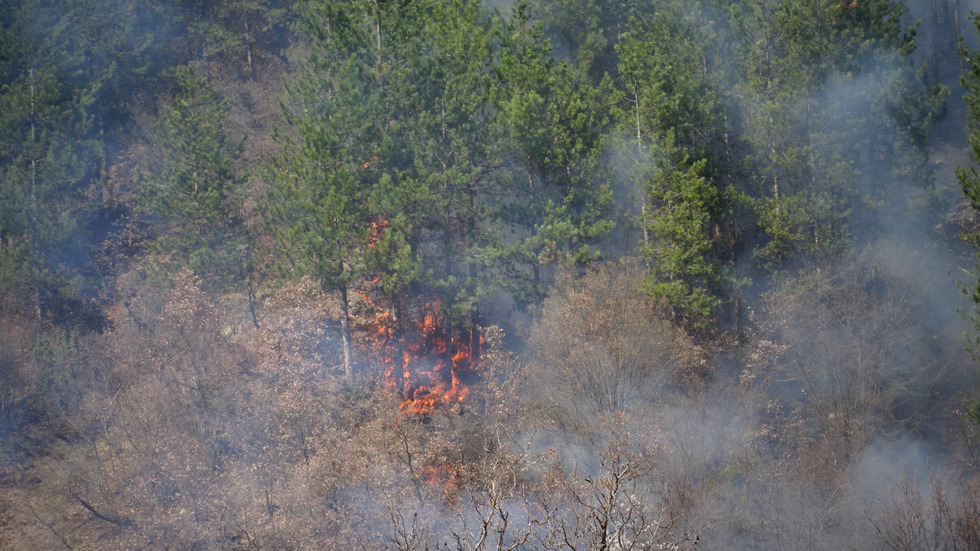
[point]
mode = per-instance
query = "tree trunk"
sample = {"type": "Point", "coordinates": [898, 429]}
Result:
{"type": "Point", "coordinates": [377, 29]}
{"type": "Point", "coordinates": [809, 134]}
{"type": "Point", "coordinates": [345, 333]}
{"type": "Point", "coordinates": [474, 327]}
{"type": "Point", "coordinates": [250, 285]}
{"type": "Point", "coordinates": [33, 204]}
{"type": "Point", "coordinates": [248, 50]}
{"type": "Point", "coordinates": [639, 159]}
{"type": "Point", "coordinates": [399, 364]}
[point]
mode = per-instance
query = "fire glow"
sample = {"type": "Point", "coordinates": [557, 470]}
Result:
{"type": "Point", "coordinates": [423, 360]}
{"type": "Point", "coordinates": [433, 373]}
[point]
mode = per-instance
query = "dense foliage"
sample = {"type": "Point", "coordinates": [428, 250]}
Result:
{"type": "Point", "coordinates": [572, 274]}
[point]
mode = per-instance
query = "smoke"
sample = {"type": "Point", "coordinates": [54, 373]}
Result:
{"type": "Point", "coordinates": [831, 413]}
{"type": "Point", "coordinates": [805, 438]}
{"type": "Point", "coordinates": [763, 460]}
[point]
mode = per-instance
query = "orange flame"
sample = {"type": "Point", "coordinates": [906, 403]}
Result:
{"type": "Point", "coordinates": [378, 230]}
{"type": "Point", "coordinates": [433, 377]}
{"type": "Point", "coordinates": [422, 361]}
{"type": "Point", "coordinates": [447, 476]}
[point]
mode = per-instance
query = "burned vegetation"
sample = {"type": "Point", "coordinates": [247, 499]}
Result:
{"type": "Point", "coordinates": [466, 275]}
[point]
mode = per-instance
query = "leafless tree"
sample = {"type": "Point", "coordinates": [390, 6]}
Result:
{"type": "Point", "coordinates": [856, 348]}
{"type": "Point", "coordinates": [907, 521]}
{"type": "Point", "coordinates": [603, 347]}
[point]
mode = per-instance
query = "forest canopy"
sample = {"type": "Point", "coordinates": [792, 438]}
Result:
{"type": "Point", "coordinates": [456, 274]}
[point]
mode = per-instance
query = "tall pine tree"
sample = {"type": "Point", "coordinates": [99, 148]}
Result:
{"type": "Point", "coordinates": [196, 196]}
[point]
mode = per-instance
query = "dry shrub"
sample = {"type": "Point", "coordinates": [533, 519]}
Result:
{"type": "Point", "coordinates": [855, 349]}
{"type": "Point", "coordinates": [908, 521]}
{"type": "Point", "coordinates": [602, 346]}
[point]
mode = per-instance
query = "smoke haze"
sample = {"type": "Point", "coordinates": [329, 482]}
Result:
{"type": "Point", "coordinates": [306, 275]}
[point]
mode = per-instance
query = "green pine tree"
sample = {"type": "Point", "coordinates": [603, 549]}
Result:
{"type": "Point", "coordinates": [195, 197]}
{"type": "Point", "coordinates": [969, 178]}
{"type": "Point", "coordinates": [319, 205]}
{"type": "Point", "coordinates": [557, 187]}
{"type": "Point", "coordinates": [51, 154]}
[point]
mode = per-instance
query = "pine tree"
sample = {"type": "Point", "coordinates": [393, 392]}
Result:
{"type": "Point", "coordinates": [50, 153]}
{"type": "Point", "coordinates": [559, 193]}
{"type": "Point", "coordinates": [673, 119]}
{"type": "Point", "coordinates": [196, 196]}
{"type": "Point", "coordinates": [233, 31]}
{"type": "Point", "coordinates": [826, 81]}
{"type": "Point", "coordinates": [452, 148]}
{"type": "Point", "coordinates": [319, 203]}
{"type": "Point", "coordinates": [969, 179]}
{"type": "Point", "coordinates": [585, 33]}
{"type": "Point", "coordinates": [683, 271]}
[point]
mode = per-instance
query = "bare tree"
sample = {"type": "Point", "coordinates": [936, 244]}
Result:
{"type": "Point", "coordinates": [909, 522]}
{"type": "Point", "coordinates": [857, 349]}
{"type": "Point", "coordinates": [602, 347]}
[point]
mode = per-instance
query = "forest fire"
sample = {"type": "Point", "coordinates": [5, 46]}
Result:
{"type": "Point", "coordinates": [422, 363]}
{"type": "Point", "coordinates": [423, 360]}
{"type": "Point", "coordinates": [436, 369]}
{"type": "Point", "coordinates": [445, 476]}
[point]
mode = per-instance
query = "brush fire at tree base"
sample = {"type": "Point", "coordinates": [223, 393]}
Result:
{"type": "Point", "coordinates": [462, 275]}
{"type": "Point", "coordinates": [424, 363]}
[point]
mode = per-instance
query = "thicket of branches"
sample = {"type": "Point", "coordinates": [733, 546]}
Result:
{"type": "Point", "coordinates": [685, 265]}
